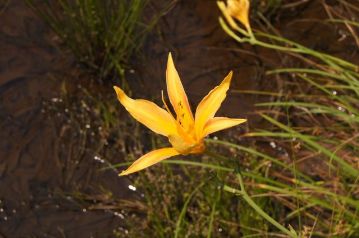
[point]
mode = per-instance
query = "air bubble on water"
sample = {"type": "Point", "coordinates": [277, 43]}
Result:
{"type": "Point", "coordinates": [272, 144]}
{"type": "Point", "coordinates": [84, 106]}
{"type": "Point", "coordinates": [120, 215]}
{"type": "Point", "coordinates": [343, 35]}
{"type": "Point", "coordinates": [98, 158]}
{"type": "Point", "coordinates": [131, 187]}
{"type": "Point", "coordinates": [341, 109]}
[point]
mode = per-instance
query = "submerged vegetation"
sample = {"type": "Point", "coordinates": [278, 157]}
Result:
{"type": "Point", "coordinates": [293, 173]}
{"type": "Point", "coordinates": [103, 35]}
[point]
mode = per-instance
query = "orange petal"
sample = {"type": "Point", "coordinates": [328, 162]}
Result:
{"type": "Point", "coordinates": [220, 123]}
{"type": "Point", "coordinates": [149, 159]}
{"type": "Point", "coordinates": [148, 113]}
{"type": "Point", "coordinates": [182, 142]}
{"type": "Point", "coordinates": [239, 9]}
{"type": "Point", "coordinates": [226, 14]}
{"type": "Point", "coordinates": [177, 96]}
{"type": "Point", "coordinates": [210, 104]}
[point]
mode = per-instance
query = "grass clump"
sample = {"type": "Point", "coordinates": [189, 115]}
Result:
{"type": "Point", "coordinates": [103, 35]}
{"type": "Point", "coordinates": [310, 123]}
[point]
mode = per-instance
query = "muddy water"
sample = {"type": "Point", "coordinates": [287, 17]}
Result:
{"type": "Point", "coordinates": [36, 185]}
{"type": "Point", "coordinates": [49, 181]}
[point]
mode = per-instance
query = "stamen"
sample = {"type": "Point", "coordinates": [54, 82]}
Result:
{"type": "Point", "coordinates": [164, 102]}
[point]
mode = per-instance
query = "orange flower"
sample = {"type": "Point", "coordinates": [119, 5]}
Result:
{"type": "Point", "coordinates": [185, 132]}
{"type": "Point", "coordinates": [238, 9]}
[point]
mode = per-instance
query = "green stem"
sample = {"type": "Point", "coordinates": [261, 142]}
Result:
{"type": "Point", "coordinates": [259, 210]}
{"type": "Point", "coordinates": [184, 209]}
{"type": "Point", "coordinates": [213, 211]}
{"type": "Point", "coordinates": [309, 51]}
{"type": "Point", "coordinates": [294, 47]}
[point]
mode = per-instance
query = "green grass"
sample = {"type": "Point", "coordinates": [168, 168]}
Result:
{"type": "Point", "coordinates": [295, 174]}
{"type": "Point", "coordinates": [318, 123]}
{"type": "Point", "coordinates": [103, 35]}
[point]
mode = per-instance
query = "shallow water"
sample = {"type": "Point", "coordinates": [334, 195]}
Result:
{"type": "Point", "coordinates": [33, 180]}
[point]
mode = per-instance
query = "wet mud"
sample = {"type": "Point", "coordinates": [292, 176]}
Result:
{"type": "Point", "coordinates": [37, 181]}
{"type": "Point", "coordinates": [51, 182]}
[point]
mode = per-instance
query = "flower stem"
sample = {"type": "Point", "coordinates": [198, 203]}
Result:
{"type": "Point", "coordinates": [259, 210]}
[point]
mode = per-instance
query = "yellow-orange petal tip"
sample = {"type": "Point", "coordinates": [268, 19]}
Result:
{"type": "Point", "coordinates": [123, 173]}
